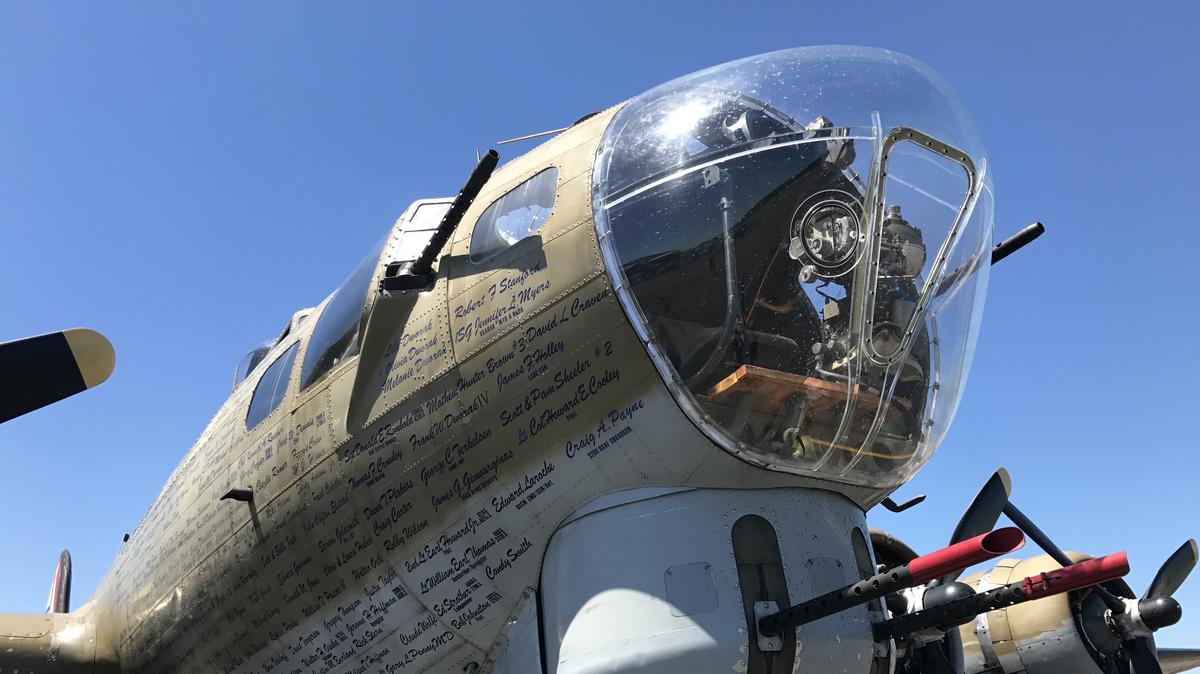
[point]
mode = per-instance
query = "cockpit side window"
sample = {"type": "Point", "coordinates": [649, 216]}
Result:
{"type": "Point", "coordinates": [335, 337]}
{"type": "Point", "coordinates": [519, 213]}
{"type": "Point", "coordinates": [250, 361]}
{"type": "Point", "coordinates": [254, 358]}
{"type": "Point", "coordinates": [272, 388]}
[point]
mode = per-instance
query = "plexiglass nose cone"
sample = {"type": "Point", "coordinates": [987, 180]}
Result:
{"type": "Point", "coordinates": [797, 237]}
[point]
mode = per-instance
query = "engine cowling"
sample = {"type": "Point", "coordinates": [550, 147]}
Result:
{"type": "Point", "coordinates": [1037, 637]}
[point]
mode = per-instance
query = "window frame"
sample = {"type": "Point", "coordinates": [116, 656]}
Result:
{"type": "Point", "coordinates": [404, 227]}
{"type": "Point", "coordinates": [487, 257]}
{"type": "Point", "coordinates": [363, 307]}
{"type": "Point", "coordinates": [294, 349]}
{"type": "Point", "coordinates": [238, 378]}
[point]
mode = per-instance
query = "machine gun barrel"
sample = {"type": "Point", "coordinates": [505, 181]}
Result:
{"type": "Point", "coordinates": [960, 611]}
{"type": "Point", "coordinates": [920, 570]}
{"type": "Point", "coordinates": [479, 177]}
{"type": "Point", "coordinates": [1017, 241]}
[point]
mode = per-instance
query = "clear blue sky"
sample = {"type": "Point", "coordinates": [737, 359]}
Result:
{"type": "Point", "coordinates": [183, 176]}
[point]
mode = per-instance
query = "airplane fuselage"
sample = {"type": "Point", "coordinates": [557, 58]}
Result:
{"type": "Point", "coordinates": [637, 397]}
{"type": "Point", "coordinates": [404, 503]}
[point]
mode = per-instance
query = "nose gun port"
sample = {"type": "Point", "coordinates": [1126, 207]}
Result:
{"type": "Point", "coordinates": [920, 570]}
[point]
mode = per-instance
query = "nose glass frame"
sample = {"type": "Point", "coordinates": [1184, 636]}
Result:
{"type": "Point", "coordinates": [975, 178]}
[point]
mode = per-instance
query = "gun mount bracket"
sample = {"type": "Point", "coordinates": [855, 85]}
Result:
{"type": "Point", "coordinates": [766, 644]}
{"type": "Point", "coordinates": [399, 277]}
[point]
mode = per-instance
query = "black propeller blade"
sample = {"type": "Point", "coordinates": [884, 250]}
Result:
{"type": "Point", "coordinates": [1156, 609]}
{"type": "Point", "coordinates": [1142, 656]}
{"type": "Point", "coordinates": [38, 371]}
{"type": "Point", "coordinates": [981, 516]}
{"type": "Point", "coordinates": [1173, 571]}
{"type": "Point", "coordinates": [984, 511]}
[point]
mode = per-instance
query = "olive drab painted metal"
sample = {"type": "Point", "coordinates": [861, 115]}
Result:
{"type": "Point", "coordinates": [402, 504]}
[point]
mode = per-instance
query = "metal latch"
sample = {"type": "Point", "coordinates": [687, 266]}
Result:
{"type": "Point", "coordinates": [766, 644]}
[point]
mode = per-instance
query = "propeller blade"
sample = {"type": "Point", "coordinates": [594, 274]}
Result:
{"type": "Point", "coordinates": [981, 516]}
{"type": "Point", "coordinates": [37, 371]}
{"type": "Point", "coordinates": [983, 513]}
{"type": "Point", "coordinates": [1120, 588]}
{"type": "Point", "coordinates": [1141, 654]}
{"type": "Point", "coordinates": [1175, 660]}
{"type": "Point", "coordinates": [1173, 571]}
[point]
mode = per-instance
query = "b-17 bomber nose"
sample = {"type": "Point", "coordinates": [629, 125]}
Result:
{"type": "Point", "coordinates": [802, 238]}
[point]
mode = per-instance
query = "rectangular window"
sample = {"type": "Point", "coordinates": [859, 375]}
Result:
{"type": "Point", "coordinates": [272, 388]}
{"type": "Point", "coordinates": [519, 213]}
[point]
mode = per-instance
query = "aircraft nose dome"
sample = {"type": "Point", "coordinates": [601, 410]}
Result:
{"type": "Point", "coordinates": [806, 86]}
{"type": "Point", "coordinates": [800, 237]}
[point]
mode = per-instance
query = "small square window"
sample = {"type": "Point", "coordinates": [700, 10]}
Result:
{"type": "Point", "coordinates": [518, 214]}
